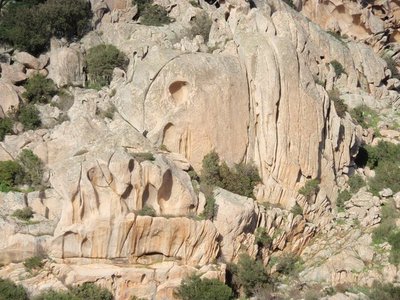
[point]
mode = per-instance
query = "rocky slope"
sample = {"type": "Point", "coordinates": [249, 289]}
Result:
{"type": "Point", "coordinates": [256, 91]}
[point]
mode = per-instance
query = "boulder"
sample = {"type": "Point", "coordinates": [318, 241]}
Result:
{"type": "Point", "coordinates": [28, 60]}
{"type": "Point", "coordinates": [9, 98]}
{"type": "Point", "coordinates": [66, 66]}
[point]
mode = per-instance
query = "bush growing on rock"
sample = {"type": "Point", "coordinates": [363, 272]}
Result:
{"type": "Point", "coordinates": [26, 169]}
{"type": "Point", "coordinates": [340, 107]}
{"type": "Point", "coordinates": [338, 67]}
{"type": "Point", "coordinates": [10, 175]}
{"type": "Point", "coordinates": [201, 25]}
{"type": "Point", "coordinates": [147, 211]}
{"type": "Point", "coordinates": [342, 198]}
{"type": "Point", "coordinates": [356, 182]}
{"type": "Point", "coordinates": [241, 179]}
{"type": "Point", "coordinates": [262, 239]}
{"type": "Point", "coordinates": [9, 290]}
{"type": "Point", "coordinates": [250, 274]}
{"type": "Point", "coordinates": [101, 60]}
{"type": "Point", "coordinates": [387, 291]}
{"type": "Point", "coordinates": [90, 291]}
{"type": "Point", "coordinates": [384, 159]}
{"type": "Point", "coordinates": [29, 116]}
{"type": "Point", "coordinates": [195, 288]}
{"type": "Point", "coordinates": [33, 263]}
{"type": "Point", "coordinates": [310, 188]}
{"type": "Point", "coordinates": [6, 125]}
{"type": "Point", "coordinates": [39, 89]}
{"type": "Point", "coordinates": [86, 291]}
{"type": "Point", "coordinates": [24, 214]}
{"type": "Point", "coordinates": [152, 14]}
{"type": "Point", "coordinates": [30, 26]}
{"type": "Point", "coordinates": [365, 116]}
{"type": "Point", "coordinates": [32, 167]}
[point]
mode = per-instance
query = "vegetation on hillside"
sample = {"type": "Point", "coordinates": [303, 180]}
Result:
{"type": "Point", "coordinates": [101, 60]}
{"type": "Point", "coordinates": [29, 25]}
{"type": "Point", "coordinates": [27, 169]}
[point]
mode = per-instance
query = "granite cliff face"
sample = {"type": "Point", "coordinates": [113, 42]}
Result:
{"type": "Point", "coordinates": [255, 92]}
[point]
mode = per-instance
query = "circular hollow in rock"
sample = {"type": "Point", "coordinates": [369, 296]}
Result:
{"type": "Point", "coordinates": [179, 91]}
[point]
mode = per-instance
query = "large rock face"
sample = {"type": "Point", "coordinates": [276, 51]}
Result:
{"type": "Point", "coordinates": [375, 23]}
{"type": "Point", "coordinates": [255, 93]}
{"type": "Point", "coordinates": [186, 107]}
{"type": "Point", "coordinates": [66, 65]}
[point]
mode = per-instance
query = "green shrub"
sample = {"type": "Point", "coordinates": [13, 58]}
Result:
{"type": "Point", "coordinates": [339, 70]}
{"type": "Point", "coordinates": [356, 182]}
{"type": "Point", "coordinates": [210, 209]}
{"type": "Point", "coordinates": [29, 116]}
{"type": "Point", "coordinates": [108, 113]}
{"type": "Point", "coordinates": [365, 116]}
{"type": "Point", "coordinates": [33, 263]}
{"type": "Point", "coordinates": [143, 156]}
{"type": "Point", "coordinates": [386, 291]}
{"type": "Point", "coordinates": [296, 210]}
{"type": "Point", "coordinates": [387, 175]}
{"type": "Point", "coordinates": [56, 295]}
{"type": "Point", "coordinates": [383, 152]}
{"type": "Point", "coordinates": [32, 167]}
{"type": "Point", "coordinates": [39, 89]}
{"type": "Point", "coordinates": [101, 60]}
{"type": "Point", "coordinates": [201, 25]}
{"type": "Point", "coordinates": [310, 188]}
{"type": "Point", "coordinates": [290, 3]}
{"type": "Point", "coordinates": [30, 27]}
{"type": "Point", "coordinates": [195, 288]}
{"type": "Point", "coordinates": [342, 198]}
{"type": "Point", "coordinates": [391, 64]}
{"type": "Point", "coordinates": [147, 211]}
{"type": "Point", "coordinates": [387, 226]}
{"type": "Point", "coordinates": [10, 174]}
{"type": "Point", "coordinates": [152, 14]}
{"type": "Point", "coordinates": [288, 264]}
{"type": "Point", "coordinates": [241, 179]}
{"type": "Point", "coordinates": [340, 107]}
{"type": "Point", "coordinates": [394, 241]}
{"type": "Point", "coordinates": [251, 274]}
{"type": "Point", "coordinates": [195, 3]}
{"type": "Point", "coordinates": [383, 158]}
{"type": "Point", "coordinates": [210, 169]}
{"type": "Point", "coordinates": [11, 291]}
{"type": "Point", "coordinates": [6, 125]}
{"type": "Point", "coordinates": [262, 239]}
{"type": "Point", "coordinates": [90, 291]}
{"type": "Point", "coordinates": [24, 214]}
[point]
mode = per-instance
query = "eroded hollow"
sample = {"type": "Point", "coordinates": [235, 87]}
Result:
{"type": "Point", "coordinates": [179, 91]}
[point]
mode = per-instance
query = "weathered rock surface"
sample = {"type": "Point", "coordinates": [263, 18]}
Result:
{"type": "Point", "coordinates": [66, 65]}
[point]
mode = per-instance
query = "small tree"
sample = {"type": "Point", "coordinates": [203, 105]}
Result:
{"type": "Point", "coordinates": [6, 125]}
{"type": "Point", "coordinates": [32, 167]}
{"type": "Point", "coordinates": [310, 188]}
{"type": "Point", "coordinates": [10, 291]}
{"type": "Point", "coordinates": [251, 274]}
{"type": "Point", "coordinates": [101, 60]}
{"type": "Point", "coordinates": [10, 174]}
{"type": "Point", "coordinates": [90, 291]}
{"type": "Point", "coordinates": [195, 288]}
{"type": "Point", "coordinates": [210, 169]}
{"type": "Point", "coordinates": [29, 116]}
{"type": "Point", "coordinates": [39, 89]}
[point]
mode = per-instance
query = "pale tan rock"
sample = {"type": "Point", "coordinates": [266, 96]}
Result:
{"type": "Point", "coordinates": [12, 74]}
{"type": "Point", "coordinates": [66, 66]}
{"type": "Point", "coordinates": [9, 98]}
{"type": "Point", "coordinates": [27, 60]}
